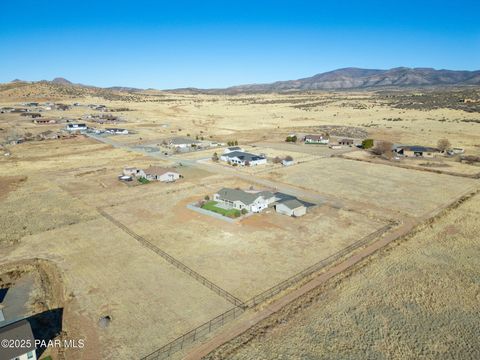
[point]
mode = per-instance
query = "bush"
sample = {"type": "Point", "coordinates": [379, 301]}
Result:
{"type": "Point", "coordinates": [288, 158]}
{"type": "Point", "coordinates": [244, 211]}
{"type": "Point", "coordinates": [367, 143]}
{"type": "Point", "coordinates": [143, 180]}
{"type": "Point", "coordinates": [207, 197]}
{"type": "Point", "coordinates": [291, 138]}
{"type": "Point", "coordinates": [277, 160]}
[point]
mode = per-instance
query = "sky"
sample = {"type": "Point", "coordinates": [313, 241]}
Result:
{"type": "Point", "coordinates": [211, 44]}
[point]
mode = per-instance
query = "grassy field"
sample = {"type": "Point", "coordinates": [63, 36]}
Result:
{"type": "Point", "coordinates": [51, 193]}
{"type": "Point", "coordinates": [400, 191]}
{"type": "Point", "coordinates": [416, 300]}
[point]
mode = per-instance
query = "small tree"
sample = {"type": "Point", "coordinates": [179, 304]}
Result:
{"type": "Point", "coordinates": [215, 157]}
{"type": "Point", "coordinates": [236, 143]}
{"type": "Point", "coordinates": [277, 160]}
{"type": "Point", "coordinates": [443, 145]}
{"type": "Point", "coordinates": [207, 197]}
{"type": "Point", "coordinates": [244, 211]}
{"type": "Point", "coordinates": [383, 148]}
{"type": "Point", "coordinates": [291, 138]}
{"type": "Point", "coordinates": [288, 158]}
{"type": "Point", "coordinates": [367, 143]}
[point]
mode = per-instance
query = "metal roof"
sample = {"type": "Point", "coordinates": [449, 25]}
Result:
{"type": "Point", "coordinates": [244, 156]}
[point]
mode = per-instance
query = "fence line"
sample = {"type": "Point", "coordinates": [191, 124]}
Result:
{"type": "Point", "coordinates": [267, 294]}
{"type": "Point", "coordinates": [203, 280]}
{"type": "Point", "coordinates": [189, 338]}
{"type": "Point", "coordinates": [179, 343]}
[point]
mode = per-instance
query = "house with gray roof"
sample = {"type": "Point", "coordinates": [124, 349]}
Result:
{"type": "Point", "coordinates": [291, 207]}
{"type": "Point", "coordinates": [182, 143]}
{"type": "Point", "coordinates": [243, 158]}
{"type": "Point", "coordinates": [252, 201]}
{"type": "Point", "coordinates": [19, 332]}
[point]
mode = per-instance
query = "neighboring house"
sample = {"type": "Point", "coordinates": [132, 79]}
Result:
{"type": "Point", "coordinates": [291, 207]}
{"type": "Point", "coordinates": [232, 149]}
{"type": "Point", "coordinates": [287, 162]}
{"type": "Point", "coordinates": [161, 174]}
{"type": "Point", "coordinates": [416, 151]}
{"type": "Point", "coordinates": [239, 199]}
{"type": "Point", "coordinates": [182, 143]}
{"type": "Point", "coordinates": [243, 158]}
{"type": "Point", "coordinates": [21, 332]}
{"type": "Point", "coordinates": [116, 131]}
{"type": "Point", "coordinates": [316, 139]}
{"type": "Point", "coordinates": [133, 171]}
{"type": "Point", "coordinates": [76, 127]}
{"type": "Point", "coordinates": [347, 142]}
{"type": "Point", "coordinates": [44, 121]}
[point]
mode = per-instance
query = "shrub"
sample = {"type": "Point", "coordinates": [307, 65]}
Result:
{"type": "Point", "coordinates": [143, 180]}
{"type": "Point", "coordinates": [367, 143]}
{"type": "Point", "coordinates": [244, 211]}
{"type": "Point", "coordinates": [291, 138]}
{"type": "Point", "coordinates": [277, 160]}
{"type": "Point", "coordinates": [288, 158]}
{"type": "Point", "coordinates": [207, 197]}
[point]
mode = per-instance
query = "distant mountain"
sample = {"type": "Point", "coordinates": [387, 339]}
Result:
{"type": "Point", "coordinates": [355, 78]}
{"type": "Point", "coordinates": [61, 81]}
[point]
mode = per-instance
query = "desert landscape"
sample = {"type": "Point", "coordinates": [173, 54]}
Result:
{"type": "Point", "coordinates": [138, 271]}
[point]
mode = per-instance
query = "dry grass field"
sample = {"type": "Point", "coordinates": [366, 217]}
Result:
{"type": "Point", "coordinates": [418, 299]}
{"type": "Point", "coordinates": [52, 194]}
{"type": "Point", "coordinates": [401, 191]}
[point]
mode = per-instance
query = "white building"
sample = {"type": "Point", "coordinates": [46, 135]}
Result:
{"type": "Point", "coordinates": [316, 139]}
{"type": "Point", "coordinates": [161, 174]}
{"type": "Point", "coordinates": [182, 143]}
{"type": "Point", "coordinates": [239, 199]}
{"type": "Point", "coordinates": [291, 207]}
{"type": "Point", "coordinates": [76, 127]}
{"type": "Point", "coordinates": [243, 158]}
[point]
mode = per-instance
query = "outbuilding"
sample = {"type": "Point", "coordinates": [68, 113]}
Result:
{"type": "Point", "coordinates": [291, 207]}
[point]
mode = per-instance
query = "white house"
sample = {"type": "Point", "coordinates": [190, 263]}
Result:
{"type": "Point", "coordinates": [18, 332]}
{"type": "Point", "coordinates": [133, 171]}
{"type": "Point", "coordinates": [287, 162]}
{"type": "Point", "coordinates": [116, 131]}
{"type": "Point", "coordinates": [316, 139]}
{"type": "Point", "coordinates": [182, 143]}
{"type": "Point", "coordinates": [161, 174]}
{"type": "Point", "coordinates": [243, 158]}
{"type": "Point", "coordinates": [291, 207]}
{"type": "Point", "coordinates": [76, 127]}
{"type": "Point", "coordinates": [232, 149]}
{"type": "Point", "coordinates": [239, 199]}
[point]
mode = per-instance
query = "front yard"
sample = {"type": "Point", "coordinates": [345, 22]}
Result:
{"type": "Point", "coordinates": [211, 206]}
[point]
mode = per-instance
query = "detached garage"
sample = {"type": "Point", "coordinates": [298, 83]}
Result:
{"type": "Point", "coordinates": [291, 207]}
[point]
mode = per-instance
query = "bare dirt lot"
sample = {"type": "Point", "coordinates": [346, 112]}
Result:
{"type": "Point", "coordinates": [417, 299]}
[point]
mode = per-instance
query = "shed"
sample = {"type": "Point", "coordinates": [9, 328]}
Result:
{"type": "Point", "coordinates": [291, 207]}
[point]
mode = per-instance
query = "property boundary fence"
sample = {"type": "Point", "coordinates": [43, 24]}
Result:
{"type": "Point", "coordinates": [203, 280]}
{"type": "Point", "coordinates": [267, 294]}
{"type": "Point", "coordinates": [181, 342]}
{"type": "Point", "coordinates": [189, 338]}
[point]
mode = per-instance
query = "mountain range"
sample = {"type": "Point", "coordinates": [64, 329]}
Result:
{"type": "Point", "coordinates": [341, 79]}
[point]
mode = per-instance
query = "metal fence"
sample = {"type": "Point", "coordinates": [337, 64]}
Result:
{"type": "Point", "coordinates": [204, 281]}
{"type": "Point", "coordinates": [183, 341]}
{"type": "Point", "coordinates": [267, 294]}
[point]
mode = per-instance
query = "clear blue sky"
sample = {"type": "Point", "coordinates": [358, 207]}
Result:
{"type": "Point", "coordinates": [168, 44]}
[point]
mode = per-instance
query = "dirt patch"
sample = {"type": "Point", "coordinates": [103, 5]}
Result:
{"type": "Point", "coordinates": [9, 184]}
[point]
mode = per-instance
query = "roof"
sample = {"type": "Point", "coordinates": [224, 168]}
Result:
{"type": "Point", "coordinates": [292, 204]}
{"type": "Point", "coordinates": [418, 148]}
{"type": "Point", "coordinates": [242, 196]}
{"type": "Point", "coordinates": [244, 156]}
{"type": "Point", "coordinates": [315, 137]}
{"type": "Point", "coordinates": [76, 125]}
{"type": "Point", "coordinates": [158, 171]}
{"type": "Point", "coordinates": [178, 141]}
{"type": "Point", "coordinates": [20, 330]}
